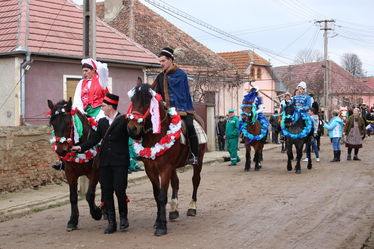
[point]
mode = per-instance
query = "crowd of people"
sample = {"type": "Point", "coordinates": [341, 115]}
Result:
{"type": "Point", "coordinates": [350, 130]}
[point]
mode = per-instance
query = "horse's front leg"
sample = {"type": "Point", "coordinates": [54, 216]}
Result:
{"type": "Point", "coordinates": [196, 182]}
{"type": "Point", "coordinates": [174, 213]}
{"type": "Point", "coordinates": [247, 166]}
{"type": "Point", "coordinates": [299, 155]}
{"type": "Point", "coordinates": [74, 216]}
{"type": "Point", "coordinates": [289, 156]}
{"type": "Point", "coordinates": [95, 211]}
{"type": "Point", "coordinates": [258, 157]}
{"type": "Point", "coordinates": [309, 151]}
{"type": "Point", "coordinates": [162, 200]}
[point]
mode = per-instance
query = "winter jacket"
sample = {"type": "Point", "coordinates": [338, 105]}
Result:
{"type": "Point", "coordinates": [232, 127]}
{"type": "Point", "coordinates": [335, 127]}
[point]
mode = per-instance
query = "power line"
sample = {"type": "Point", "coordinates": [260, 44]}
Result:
{"type": "Point", "coordinates": [170, 9]}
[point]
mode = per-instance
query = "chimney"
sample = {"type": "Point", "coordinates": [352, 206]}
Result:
{"type": "Point", "coordinates": [112, 8]}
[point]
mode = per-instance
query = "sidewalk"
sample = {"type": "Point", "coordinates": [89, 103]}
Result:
{"type": "Point", "coordinates": [33, 200]}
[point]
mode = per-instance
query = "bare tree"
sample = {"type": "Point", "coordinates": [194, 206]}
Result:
{"type": "Point", "coordinates": [307, 56]}
{"type": "Point", "coordinates": [352, 64]}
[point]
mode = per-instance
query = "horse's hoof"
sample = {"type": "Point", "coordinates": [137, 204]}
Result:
{"type": "Point", "coordinates": [96, 214]}
{"type": "Point", "coordinates": [246, 169]}
{"type": "Point", "coordinates": [257, 168]}
{"type": "Point", "coordinates": [71, 227]}
{"type": "Point", "coordinates": [289, 168]}
{"type": "Point", "coordinates": [309, 166]}
{"type": "Point", "coordinates": [173, 215]}
{"type": "Point", "coordinates": [191, 212]}
{"type": "Point", "coordinates": [156, 224]}
{"type": "Point", "coordinates": [298, 171]}
{"type": "Point", "coordinates": [160, 231]}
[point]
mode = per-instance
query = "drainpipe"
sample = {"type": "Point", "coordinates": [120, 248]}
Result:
{"type": "Point", "coordinates": [25, 66]}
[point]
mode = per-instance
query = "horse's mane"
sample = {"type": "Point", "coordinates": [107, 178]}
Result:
{"type": "Point", "coordinates": [142, 93]}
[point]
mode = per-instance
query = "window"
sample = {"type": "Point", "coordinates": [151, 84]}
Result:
{"type": "Point", "coordinates": [71, 82]}
{"type": "Point", "coordinates": [258, 74]}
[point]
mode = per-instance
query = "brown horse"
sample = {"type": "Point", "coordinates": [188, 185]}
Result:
{"type": "Point", "coordinates": [253, 130]}
{"type": "Point", "coordinates": [62, 122]}
{"type": "Point", "coordinates": [161, 169]}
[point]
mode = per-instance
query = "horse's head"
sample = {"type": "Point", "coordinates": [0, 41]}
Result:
{"type": "Point", "coordinates": [247, 113]}
{"type": "Point", "coordinates": [139, 111]}
{"type": "Point", "coordinates": [62, 123]}
{"type": "Point", "coordinates": [289, 111]}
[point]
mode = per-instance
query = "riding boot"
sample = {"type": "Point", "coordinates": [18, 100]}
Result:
{"type": "Point", "coordinates": [112, 223]}
{"type": "Point", "coordinates": [335, 157]}
{"type": "Point", "coordinates": [194, 145]}
{"type": "Point", "coordinates": [59, 166]}
{"type": "Point", "coordinates": [123, 221]}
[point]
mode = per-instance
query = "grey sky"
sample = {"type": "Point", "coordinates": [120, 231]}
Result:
{"type": "Point", "coordinates": [281, 28]}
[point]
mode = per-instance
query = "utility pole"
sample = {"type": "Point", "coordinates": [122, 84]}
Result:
{"type": "Point", "coordinates": [89, 29]}
{"type": "Point", "coordinates": [89, 51]}
{"type": "Point", "coordinates": [326, 64]}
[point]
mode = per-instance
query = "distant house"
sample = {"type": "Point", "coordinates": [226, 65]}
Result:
{"type": "Point", "coordinates": [40, 51]}
{"type": "Point", "coordinates": [344, 89]}
{"type": "Point", "coordinates": [209, 74]}
{"type": "Point", "coordinates": [256, 72]}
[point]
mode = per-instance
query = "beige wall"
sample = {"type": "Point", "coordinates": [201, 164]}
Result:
{"type": "Point", "coordinates": [10, 91]}
{"type": "Point", "coordinates": [25, 158]}
{"type": "Point", "coordinates": [232, 97]}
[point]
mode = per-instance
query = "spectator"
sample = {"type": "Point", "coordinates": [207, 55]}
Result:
{"type": "Point", "coordinates": [355, 132]}
{"type": "Point", "coordinates": [313, 114]}
{"type": "Point", "coordinates": [335, 127]}
{"type": "Point", "coordinates": [220, 130]}
{"type": "Point", "coordinates": [232, 136]}
{"type": "Point", "coordinates": [275, 128]}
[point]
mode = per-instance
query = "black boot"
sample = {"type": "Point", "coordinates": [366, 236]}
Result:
{"type": "Point", "coordinates": [194, 145]}
{"type": "Point", "coordinates": [123, 221]}
{"type": "Point", "coordinates": [356, 158]}
{"type": "Point", "coordinates": [59, 166]}
{"type": "Point", "coordinates": [338, 155]}
{"type": "Point", "coordinates": [349, 157]}
{"type": "Point", "coordinates": [335, 157]}
{"type": "Point", "coordinates": [112, 223]}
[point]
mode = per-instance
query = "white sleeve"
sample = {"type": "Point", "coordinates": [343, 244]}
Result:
{"type": "Point", "coordinates": [77, 102]}
{"type": "Point", "coordinates": [102, 70]}
{"type": "Point", "coordinates": [260, 108]}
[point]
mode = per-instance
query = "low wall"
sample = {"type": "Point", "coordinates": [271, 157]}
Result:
{"type": "Point", "coordinates": [25, 156]}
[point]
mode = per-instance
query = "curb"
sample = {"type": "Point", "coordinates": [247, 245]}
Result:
{"type": "Point", "coordinates": [23, 209]}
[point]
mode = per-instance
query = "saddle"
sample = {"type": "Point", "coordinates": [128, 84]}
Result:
{"type": "Point", "coordinates": [201, 135]}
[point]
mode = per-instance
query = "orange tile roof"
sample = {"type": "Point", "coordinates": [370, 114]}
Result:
{"type": "Point", "coordinates": [154, 32]}
{"type": "Point", "coordinates": [242, 59]}
{"type": "Point", "coordinates": [53, 27]}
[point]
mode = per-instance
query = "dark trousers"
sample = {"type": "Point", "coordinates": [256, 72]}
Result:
{"type": "Point", "coordinates": [221, 143]}
{"type": "Point", "coordinates": [191, 132]}
{"type": "Point", "coordinates": [113, 179]}
{"type": "Point", "coordinates": [274, 136]}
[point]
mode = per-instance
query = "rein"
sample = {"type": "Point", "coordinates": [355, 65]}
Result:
{"type": "Point", "coordinates": [72, 156]}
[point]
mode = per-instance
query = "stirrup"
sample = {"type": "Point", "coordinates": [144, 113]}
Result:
{"type": "Point", "coordinates": [192, 160]}
{"type": "Point", "coordinates": [58, 166]}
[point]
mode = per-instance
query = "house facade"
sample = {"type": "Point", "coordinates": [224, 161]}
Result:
{"type": "Point", "coordinates": [40, 51]}
{"type": "Point", "coordinates": [209, 74]}
{"type": "Point", "coordinates": [256, 72]}
{"type": "Point", "coordinates": [344, 89]}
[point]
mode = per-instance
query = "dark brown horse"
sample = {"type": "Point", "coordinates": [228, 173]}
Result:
{"type": "Point", "coordinates": [254, 131]}
{"type": "Point", "coordinates": [62, 122]}
{"type": "Point", "coordinates": [161, 170]}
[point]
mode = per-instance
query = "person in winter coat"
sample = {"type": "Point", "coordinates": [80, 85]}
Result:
{"type": "Point", "coordinates": [355, 132]}
{"type": "Point", "coordinates": [232, 137]}
{"type": "Point", "coordinates": [220, 129]}
{"type": "Point", "coordinates": [335, 128]}
{"type": "Point", "coordinates": [314, 115]}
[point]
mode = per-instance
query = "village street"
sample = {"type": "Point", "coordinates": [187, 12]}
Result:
{"type": "Point", "coordinates": [330, 206]}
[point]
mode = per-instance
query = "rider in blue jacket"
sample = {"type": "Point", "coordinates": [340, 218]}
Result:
{"type": "Point", "coordinates": [301, 99]}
